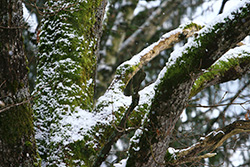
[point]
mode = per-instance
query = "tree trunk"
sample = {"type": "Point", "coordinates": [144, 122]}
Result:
{"type": "Point", "coordinates": [17, 143]}
{"type": "Point", "coordinates": [68, 51]}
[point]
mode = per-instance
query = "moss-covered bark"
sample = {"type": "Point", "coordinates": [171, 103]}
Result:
{"type": "Point", "coordinates": [172, 92]}
{"type": "Point", "coordinates": [17, 143]}
{"type": "Point", "coordinates": [68, 46]}
{"type": "Point", "coordinates": [223, 71]}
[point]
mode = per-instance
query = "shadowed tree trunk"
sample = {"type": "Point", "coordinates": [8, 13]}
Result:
{"type": "Point", "coordinates": [17, 143]}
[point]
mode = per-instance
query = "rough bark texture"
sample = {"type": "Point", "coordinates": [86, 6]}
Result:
{"type": "Point", "coordinates": [172, 93]}
{"type": "Point", "coordinates": [17, 144]}
{"type": "Point", "coordinates": [66, 79]}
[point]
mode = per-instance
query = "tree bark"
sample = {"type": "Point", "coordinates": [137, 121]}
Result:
{"type": "Point", "coordinates": [172, 93]}
{"type": "Point", "coordinates": [17, 143]}
{"type": "Point", "coordinates": [68, 49]}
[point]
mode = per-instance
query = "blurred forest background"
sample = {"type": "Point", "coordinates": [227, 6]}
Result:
{"type": "Point", "coordinates": [130, 26]}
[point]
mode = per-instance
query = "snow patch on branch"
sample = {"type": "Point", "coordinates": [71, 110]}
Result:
{"type": "Point", "coordinates": [237, 52]}
{"type": "Point", "coordinates": [176, 54]}
{"type": "Point", "coordinates": [215, 133]}
{"type": "Point", "coordinates": [122, 163]}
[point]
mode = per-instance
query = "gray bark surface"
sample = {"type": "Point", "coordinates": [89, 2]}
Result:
{"type": "Point", "coordinates": [17, 143]}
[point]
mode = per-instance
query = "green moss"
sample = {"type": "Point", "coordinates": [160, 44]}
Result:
{"type": "Point", "coordinates": [217, 70]}
{"type": "Point", "coordinates": [28, 143]}
{"type": "Point", "coordinates": [82, 24]}
{"type": "Point", "coordinates": [75, 39]}
{"type": "Point", "coordinates": [80, 151]}
{"type": "Point", "coordinates": [194, 59]}
{"type": "Point", "coordinates": [124, 74]}
{"type": "Point", "coordinates": [136, 117]}
{"type": "Point", "coordinates": [17, 126]}
{"type": "Point", "coordinates": [191, 25]}
{"type": "Point", "coordinates": [187, 67]}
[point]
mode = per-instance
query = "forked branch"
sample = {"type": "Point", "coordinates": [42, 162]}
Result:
{"type": "Point", "coordinates": [208, 143]}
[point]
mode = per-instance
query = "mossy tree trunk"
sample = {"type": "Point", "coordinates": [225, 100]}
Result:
{"type": "Point", "coordinates": [17, 143]}
{"type": "Point", "coordinates": [68, 48]}
{"type": "Point", "coordinates": [70, 131]}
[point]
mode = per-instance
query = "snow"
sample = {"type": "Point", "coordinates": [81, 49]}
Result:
{"type": "Point", "coordinates": [177, 53]}
{"type": "Point", "coordinates": [202, 138]}
{"type": "Point", "coordinates": [142, 4]}
{"type": "Point", "coordinates": [210, 9]}
{"type": "Point", "coordinates": [111, 101]}
{"type": "Point", "coordinates": [30, 19]}
{"type": "Point", "coordinates": [78, 120]}
{"type": "Point", "coordinates": [114, 95]}
{"type": "Point", "coordinates": [81, 121]}
{"type": "Point", "coordinates": [214, 133]}
{"type": "Point", "coordinates": [237, 52]}
{"type": "Point", "coordinates": [10, 52]}
{"type": "Point", "coordinates": [185, 149]}
{"type": "Point", "coordinates": [148, 93]}
{"type": "Point", "coordinates": [122, 163]}
{"type": "Point", "coordinates": [173, 152]}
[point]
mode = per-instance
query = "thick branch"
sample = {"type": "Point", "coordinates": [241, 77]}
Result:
{"type": "Point", "coordinates": [117, 132]}
{"type": "Point", "coordinates": [184, 67]}
{"type": "Point", "coordinates": [128, 72]}
{"type": "Point", "coordinates": [166, 41]}
{"type": "Point", "coordinates": [223, 71]}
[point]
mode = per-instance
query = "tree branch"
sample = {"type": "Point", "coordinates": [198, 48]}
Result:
{"type": "Point", "coordinates": [149, 27]}
{"type": "Point", "coordinates": [166, 41]}
{"type": "Point", "coordinates": [222, 6]}
{"type": "Point", "coordinates": [208, 143]}
{"type": "Point", "coordinates": [209, 126]}
{"type": "Point", "coordinates": [117, 132]}
{"type": "Point", "coordinates": [234, 67]}
{"type": "Point", "coordinates": [129, 72]}
{"type": "Point", "coordinates": [176, 79]}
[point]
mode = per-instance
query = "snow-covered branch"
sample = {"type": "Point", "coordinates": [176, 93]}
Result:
{"type": "Point", "coordinates": [206, 144]}
{"type": "Point", "coordinates": [113, 105]}
{"type": "Point", "coordinates": [183, 68]}
{"type": "Point", "coordinates": [233, 65]}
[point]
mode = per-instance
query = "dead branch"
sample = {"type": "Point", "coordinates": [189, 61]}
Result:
{"type": "Point", "coordinates": [210, 142]}
{"type": "Point", "coordinates": [162, 44]}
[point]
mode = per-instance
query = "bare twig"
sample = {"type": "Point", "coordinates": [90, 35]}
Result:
{"type": "Point", "coordinates": [217, 105]}
{"type": "Point", "coordinates": [210, 142]}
